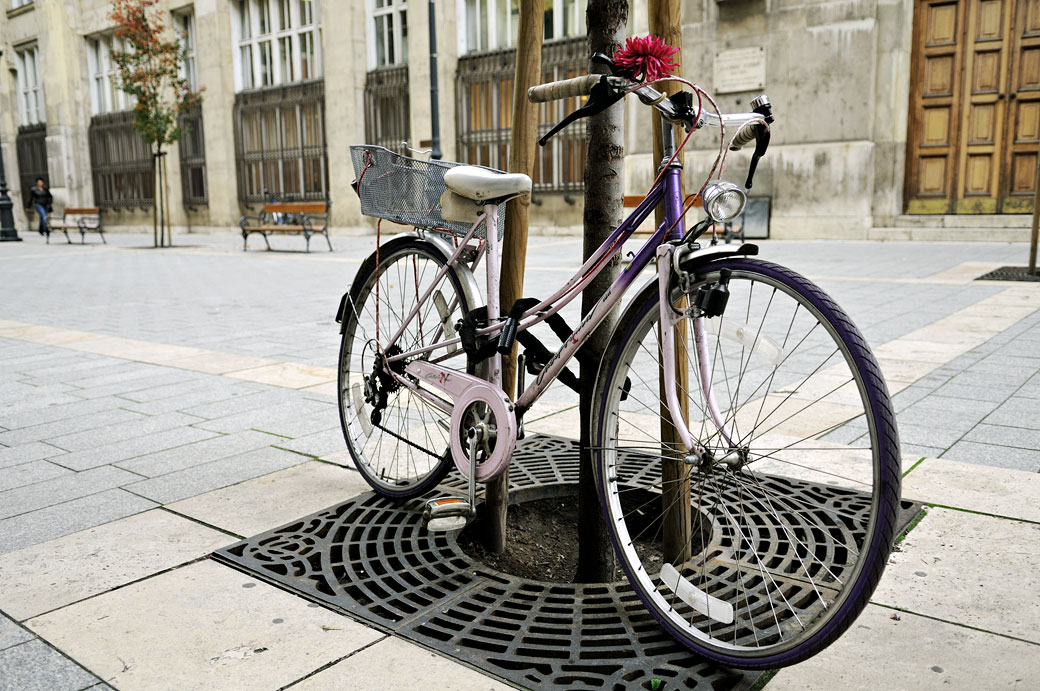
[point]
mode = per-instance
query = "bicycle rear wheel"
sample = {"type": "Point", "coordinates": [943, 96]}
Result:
{"type": "Point", "coordinates": [762, 547]}
{"type": "Point", "coordinates": [398, 440]}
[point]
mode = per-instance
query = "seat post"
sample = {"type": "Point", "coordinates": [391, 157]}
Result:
{"type": "Point", "coordinates": [493, 282]}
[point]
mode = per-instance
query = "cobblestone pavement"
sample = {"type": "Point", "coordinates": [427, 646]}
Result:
{"type": "Point", "coordinates": [158, 404]}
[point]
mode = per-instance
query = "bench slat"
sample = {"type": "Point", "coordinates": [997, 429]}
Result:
{"type": "Point", "coordinates": [88, 211]}
{"type": "Point", "coordinates": [296, 208]}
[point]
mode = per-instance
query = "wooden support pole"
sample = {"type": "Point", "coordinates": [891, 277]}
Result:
{"type": "Point", "coordinates": [1035, 236]}
{"type": "Point", "coordinates": [514, 246]}
{"type": "Point", "coordinates": [675, 496]}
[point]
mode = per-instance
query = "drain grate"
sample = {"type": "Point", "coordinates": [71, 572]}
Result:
{"type": "Point", "coordinates": [371, 558]}
{"type": "Point", "coordinates": [1009, 273]}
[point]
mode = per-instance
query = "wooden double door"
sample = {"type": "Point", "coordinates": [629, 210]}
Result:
{"type": "Point", "coordinates": [974, 128]}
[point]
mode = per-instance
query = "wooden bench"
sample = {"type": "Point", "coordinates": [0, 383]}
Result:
{"type": "Point", "coordinates": [289, 218]}
{"type": "Point", "coordinates": [83, 219]}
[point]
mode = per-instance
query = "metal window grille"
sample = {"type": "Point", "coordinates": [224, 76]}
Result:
{"type": "Point", "coordinates": [31, 146]}
{"type": "Point", "coordinates": [193, 158]}
{"type": "Point", "coordinates": [484, 92]}
{"type": "Point", "coordinates": [386, 107]}
{"type": "Point", "coordinates": [120, 162]}
{"type": "Point", "coordinates": [280, 143]}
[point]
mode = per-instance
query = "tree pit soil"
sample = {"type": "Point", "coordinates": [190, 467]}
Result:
{"type": "Point", "coordinates": [541, 541]}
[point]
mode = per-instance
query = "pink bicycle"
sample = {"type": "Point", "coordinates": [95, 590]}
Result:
{"type": "Point", "coordinates": [711, 494]}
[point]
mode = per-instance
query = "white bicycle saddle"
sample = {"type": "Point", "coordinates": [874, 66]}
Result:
{"type": "Point", "coordinates": [482, 185]}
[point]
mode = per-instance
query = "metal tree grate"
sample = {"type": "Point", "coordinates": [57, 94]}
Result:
{"type": "Point", "coordinates": [1009, 273]}
{"type": "Point", "coordinates": [371, 558]}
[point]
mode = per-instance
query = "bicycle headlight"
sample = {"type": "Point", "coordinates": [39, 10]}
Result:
{"type": "Point", "coordinates": [724, 201]}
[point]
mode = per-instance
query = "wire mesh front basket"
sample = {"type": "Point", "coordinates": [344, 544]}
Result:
{"type": "Point", "coordinates": [407, 191]}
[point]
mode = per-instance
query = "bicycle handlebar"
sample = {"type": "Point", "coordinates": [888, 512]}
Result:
{"type": "Point", "coordinates": [747, 125]}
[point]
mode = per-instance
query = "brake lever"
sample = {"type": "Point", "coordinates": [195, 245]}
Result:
{"type": "Point", "coordinates": [600, 98]}
{"type": "Point", "coordinates": [763, 107]}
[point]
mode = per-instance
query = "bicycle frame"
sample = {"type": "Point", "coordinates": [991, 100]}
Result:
{"type": "Point", "coordinates": [667, 191]}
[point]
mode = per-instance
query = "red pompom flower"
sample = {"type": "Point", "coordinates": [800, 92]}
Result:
{"type": "Point", "coordinates": [646, 58]}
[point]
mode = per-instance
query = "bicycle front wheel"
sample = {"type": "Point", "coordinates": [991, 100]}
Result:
{"type": "Point", "coordinates": [397, 439]}
{"type": "Point", "coordinates": [761, 546]}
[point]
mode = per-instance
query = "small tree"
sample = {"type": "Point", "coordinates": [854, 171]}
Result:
{"type": "Point", "coordinates": [149, 70]}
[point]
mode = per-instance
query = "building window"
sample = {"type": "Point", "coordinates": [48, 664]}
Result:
{"type": "Point", "coordinates": [31, 146]}
{"type": "Point", "coordinates": [193, 158]}
{"type": "Point", "coordinates": [280, 143]}
{"type": "Point", "coordinates": [185, 25]}
{"type": "Point", "coordinates": [15, 4]}
{"type": "Point", "coordinates": [484, 92]}
{"type": "Point", "coordinates": [493, 24]}
{"type": "Point", "coordinates": [388, 41]}
{"type": "Point", "coordinates": [386, 107]}
{"type": "Point", "coordinates": [120, 162]}
{"type": "Point", "coordinates": [105, 94]}
{"type": "Point", "coordinates": [30, 87]}
{"type": "Point", "coordinates": [279, 42]}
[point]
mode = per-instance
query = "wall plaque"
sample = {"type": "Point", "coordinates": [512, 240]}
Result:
{"type": "Point", "coordinates": [742, 69]}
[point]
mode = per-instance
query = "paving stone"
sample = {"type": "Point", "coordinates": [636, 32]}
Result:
{"type": "Point", "coordinates": [271, 418]}
{"type": "Point", "coordinates": [940, 405]}
{"type": "Point", "coordinates": [938, 437]}
{"type": "Point", "coordinates": [28, 473]}
{"type": "Point", "coordinates": [198, 453]}
{"type": "Point", "coordinates": [58, 572]}
{"type": "Point", "coordinates": [917, 452]}
{"type": "Point", "coordinates": [267, 502]}
{"type": "Point", "coordinates": [110, 434]}
{"type": "Point", "coordinates": [1021, 437]}
{"type": "Point", "coordinates": [62, 519]}
{"type": "Point", "coordinates": [317, 445]}
{"type": "Point", "coordinates": [72, 486]}
{"type": "Point", "coordinates": [63, 411]}
{"type": "Point", "coordinates": [25, 453]}
{"type": "Point", "coordinates": [973, 487]}
{"type": "Point", "coordinates": [11, 633]}
{"type": "Point", "coordinates": [998, 456]}
{"type": "Point", "coordinates": [895, 650]}
{"type": "Point", "coordinates": [996, 393]}
{"type": "Point", "coordinates": [214, 475]}
{"type": "Point", "coordinates": [936, 573]}
{"type": "Point", "coordinates": [68, 426]}
{"type": "Point", "coordinates": [238, 404]}
{"type": "Point", "coordinates": [380, 665]}
{"type": "Point", "coordinates": [35, 666]}
{"type": "Point", "coordinates": [950, 419]}
{"type": "Point", "coordinates": [220, 629]}
{"type": "Point", "coordinates": [164, 391]}
{"type": "Point", "coordinates": [1016, 412]}
{"type": "Point", "coordinates": [133, 447]}
{"type": "Point", "coordinates": [287, 374]}
{"type": "Point", "coordinates": [168, 377]}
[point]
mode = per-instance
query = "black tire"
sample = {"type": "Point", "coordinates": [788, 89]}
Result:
{"type": "Point", "coordinates": [405, 450]}
{"type": "Point", "coordinates": [787, 530]}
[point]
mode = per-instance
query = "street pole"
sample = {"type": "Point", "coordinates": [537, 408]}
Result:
{"type": "Point", "coordinates": [8, 233]}
{"type": "Point", "coordinates": [435, 119]}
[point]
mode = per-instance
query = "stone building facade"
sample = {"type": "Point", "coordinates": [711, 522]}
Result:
{"type": "Point", "coordinates": [890, 113]}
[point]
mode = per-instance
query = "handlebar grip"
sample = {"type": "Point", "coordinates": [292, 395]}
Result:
{"type": "Point", "coordinates": [554, 91]}
{"type": "Point", "coordinates": [745, 136]}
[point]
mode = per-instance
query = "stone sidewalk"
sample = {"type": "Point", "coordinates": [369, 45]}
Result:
{"type": "Point", "coordinates": [156, 405]}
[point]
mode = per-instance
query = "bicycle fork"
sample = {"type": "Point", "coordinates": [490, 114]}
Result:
{"type": "Point", "coordinates": [670, 317]}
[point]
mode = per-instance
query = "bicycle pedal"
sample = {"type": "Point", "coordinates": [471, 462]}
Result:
{"type": "Point", "coordinates": [446, 513]}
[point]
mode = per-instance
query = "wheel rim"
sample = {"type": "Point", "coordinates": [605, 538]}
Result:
{"type": "Point", "coordinates": [778, 543]}
{"type": "Point", "coordinates": [403, 450]}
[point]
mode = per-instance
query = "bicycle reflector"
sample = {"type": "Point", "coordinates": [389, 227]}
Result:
{"type": "Point", "coordinates": [723, 201]}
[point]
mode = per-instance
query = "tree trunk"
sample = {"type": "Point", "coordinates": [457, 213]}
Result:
{"type": "Point", "coordinates": [514, 249]}
{"type": "Point", "coordinates": [604, 193]}
{"type": "Point", "coordinates": [675, 493]}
